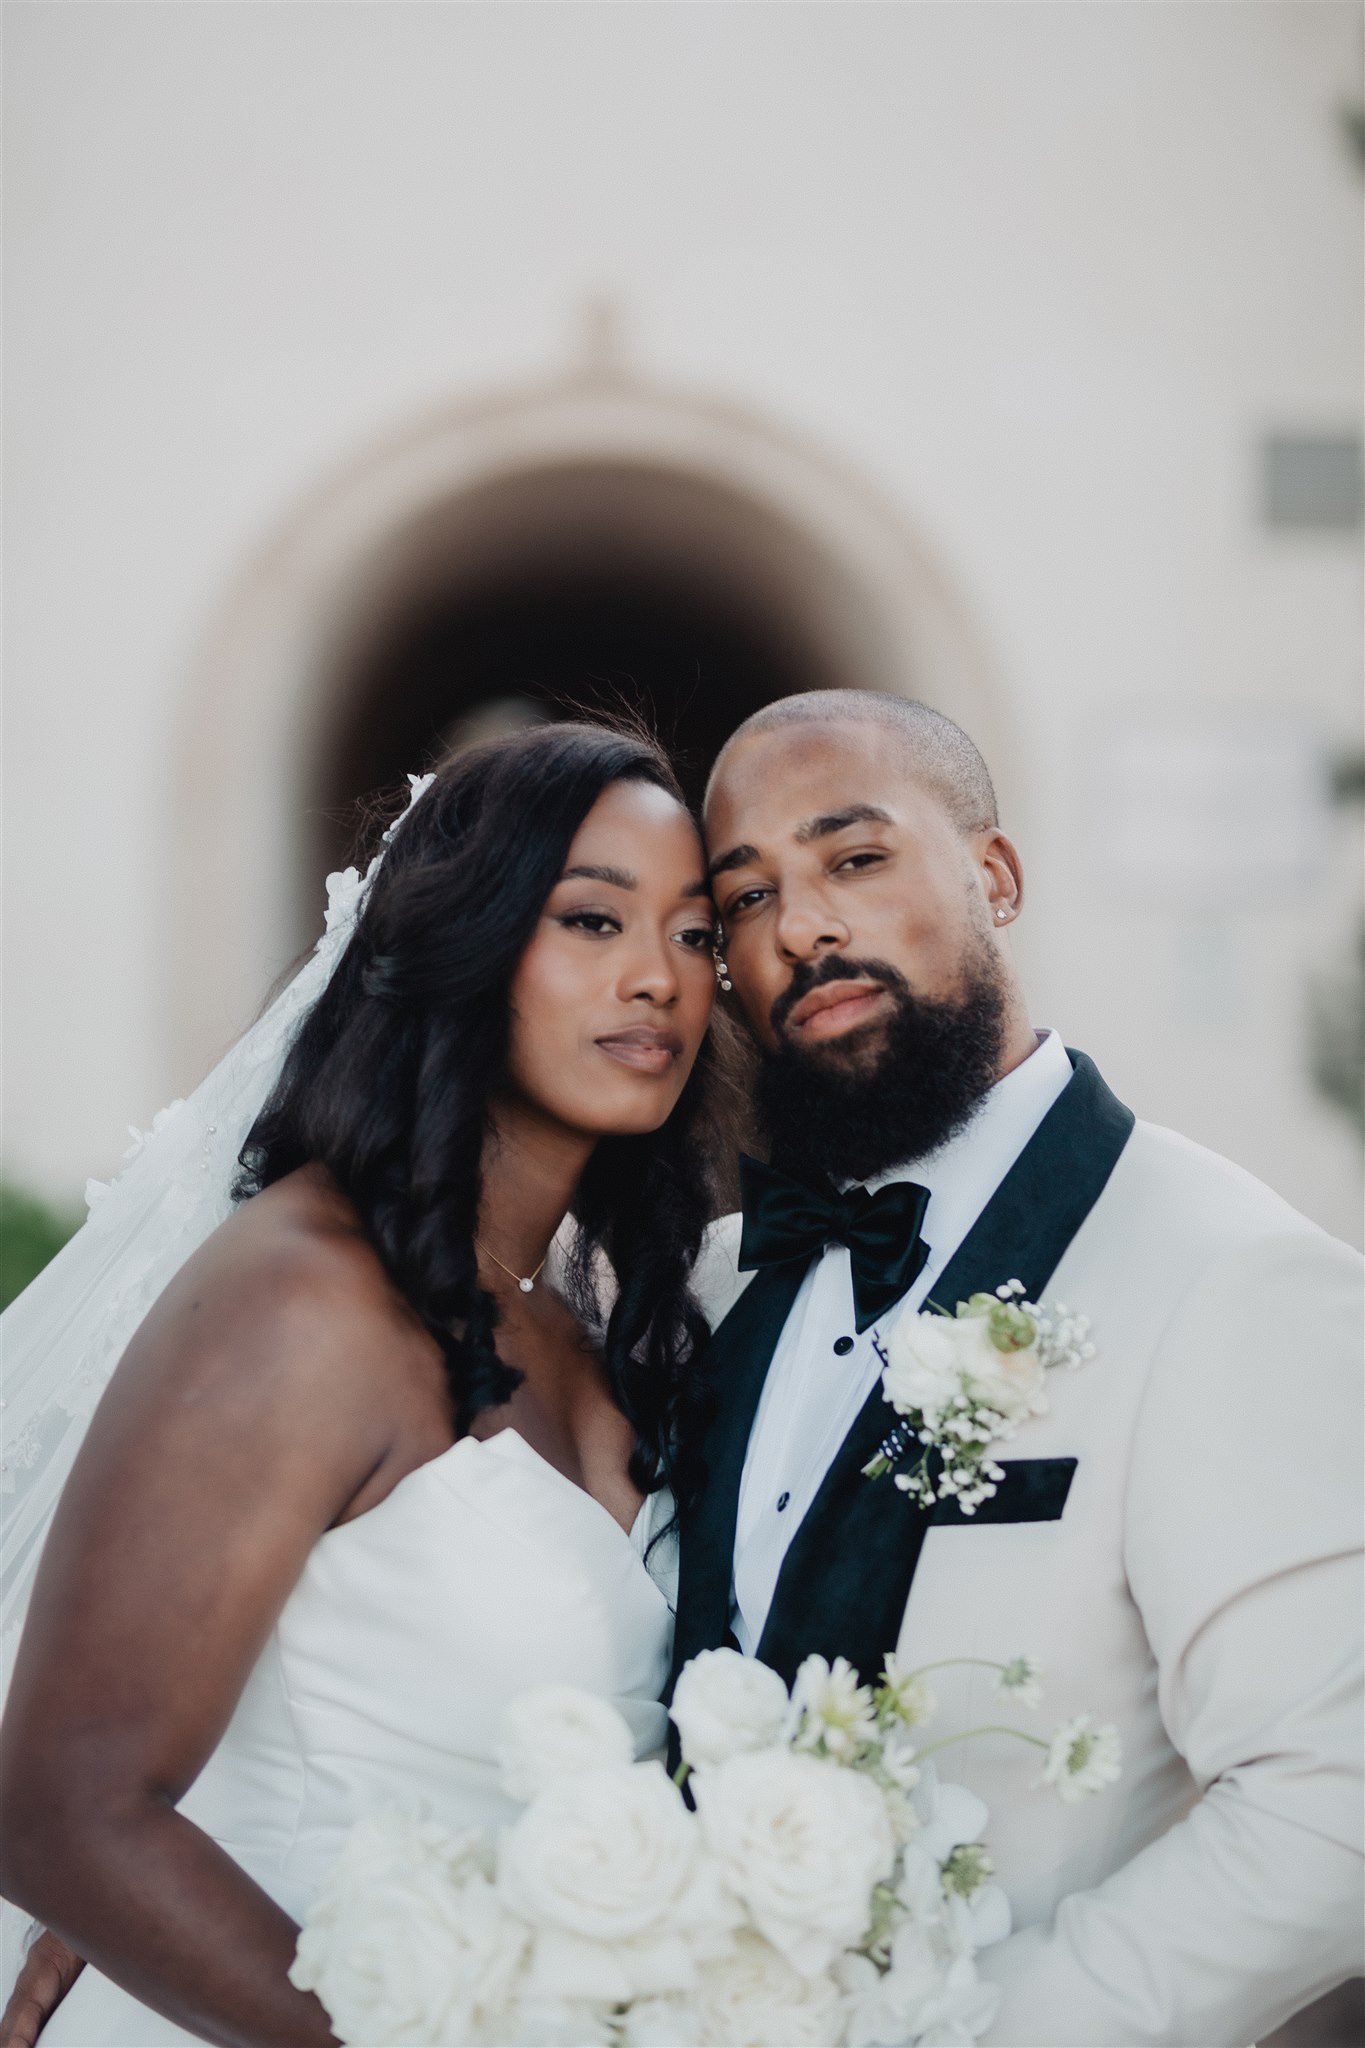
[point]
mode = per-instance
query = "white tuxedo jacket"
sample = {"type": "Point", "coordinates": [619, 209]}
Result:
{"type": "Point", "coordinates": [1196, 1580]}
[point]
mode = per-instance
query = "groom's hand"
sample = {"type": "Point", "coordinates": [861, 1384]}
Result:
{"type": "Point", "coordinates": [50, 1969]}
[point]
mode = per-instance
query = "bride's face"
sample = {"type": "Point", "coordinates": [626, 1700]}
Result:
{"type": "Point", "coordinates": [611, 998]}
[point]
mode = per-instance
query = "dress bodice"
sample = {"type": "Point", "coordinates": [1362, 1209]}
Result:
{"type": "Point", "coordinates": [483, 1573]}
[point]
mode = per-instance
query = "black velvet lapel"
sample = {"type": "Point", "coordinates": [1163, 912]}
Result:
{"type": "Point", "coordinates": [846, 1578]}
{"type": "Point", "coordinates": [737, 1361]}
{"type": "Point", "coordinates": [1032, 1490]}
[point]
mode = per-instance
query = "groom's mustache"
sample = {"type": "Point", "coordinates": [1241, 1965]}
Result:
{"type": "Point", "coordinates": [834, 967]}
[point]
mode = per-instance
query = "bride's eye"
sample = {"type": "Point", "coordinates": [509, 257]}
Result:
{"type": "Point", "coordinates": [697, 938]}
{"type": "Point", "coordinates": [596, 923]}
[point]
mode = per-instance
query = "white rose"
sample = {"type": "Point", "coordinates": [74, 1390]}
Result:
{"type": "Point", "coordinates": [725, 1704]}
{"type": "Point", "coordinates": [555, 1731]}
{"type": "Point", "coordinates": [406, 1941]}
{"type": "Point", "coordinates": [756, 1998]}
{"type": "Point", "coordinates": [550, 2023]}
{"type": "Point", "coordinates": [801, 1842]}
{"type": "Point", "coordinates": [1010, 1382]}
{"type": "Point", "coordinates": [662, 2023]}
{"type": "Point", "coordinates": [923, 1368]}
{"type": "Point", "coordinates": [608, 1855]}
{"type": "Point", "coordinates": [608, 1869]}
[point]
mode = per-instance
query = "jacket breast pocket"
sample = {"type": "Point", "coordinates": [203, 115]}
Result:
{"type": "Point", "coordinates": [1032, 1490]}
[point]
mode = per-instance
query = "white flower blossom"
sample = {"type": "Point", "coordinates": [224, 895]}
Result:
{"type": "Point", "coordinates": [964, 1382]}
{"type": "Point", "coordinates": [927, 1996]}
{"type": "Point", "coordinates": [407, 1943]}
{"type": "Point", "coordinates": [923, 1372]}
{"type": "Point", "coordinates": [345, 894]}
{"type": "Point", "coordinates": [418, 785]}
{"type": "Point", "coordinates": [965, 1869]}
{"type": "Point", "coordinates": [1021, 1681]}
{"type": "Point", "coordinates": [830, 1711]}
{"type": "Point", "coordinates": [949, 1815]}
{"type": "Point", "coordinates": [1082, 1759]}
{"type": "Point", "coordinates": [904, 1695]}
{"type": "Point", "coordinates": [828, 1891]}
{"type": "Point", "coordinates": [606, 1866]}
{"type": "Point", "coordinates": [663, 2023]}
{"type": "Point", "coordinates": [554, 1731]}
{"type": "Point", "coordinates": [724, 1704]}
{"type": "Point", "coordinates": [801, 1842]}
{"type": "Point", "coordinates": [755, 1997]}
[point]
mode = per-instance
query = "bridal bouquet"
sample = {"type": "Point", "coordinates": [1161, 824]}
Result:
{"type": "Point", "coordinates": [824, 1887]}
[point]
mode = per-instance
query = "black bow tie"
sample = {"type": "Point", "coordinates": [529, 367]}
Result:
{"type": "Point", "coordinates": [785, 1219]}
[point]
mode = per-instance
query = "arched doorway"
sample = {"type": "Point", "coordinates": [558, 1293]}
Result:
{"type": "Point", "coordinates": [589, 585]}
{"type": "Point", "coordinates": [597, 540]}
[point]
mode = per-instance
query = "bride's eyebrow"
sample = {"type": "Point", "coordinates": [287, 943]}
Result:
{"type": "Point", "coordinates": [617, 878]}
{"type": "Point", "coordinates": [621, 878]}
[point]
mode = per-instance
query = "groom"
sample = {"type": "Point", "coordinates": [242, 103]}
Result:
{"type": "Point", "coordinates": [1176, 1539]}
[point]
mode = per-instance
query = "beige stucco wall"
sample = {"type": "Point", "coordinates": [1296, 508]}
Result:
{"type": "Point", "coordinates": [1039, 275]}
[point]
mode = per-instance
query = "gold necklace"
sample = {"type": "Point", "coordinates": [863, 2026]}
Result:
{"type": "Point", "coordinates": [524, 1281]}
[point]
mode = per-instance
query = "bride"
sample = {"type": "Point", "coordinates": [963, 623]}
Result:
{"type": "Point", "coordinates": [362, 1476]}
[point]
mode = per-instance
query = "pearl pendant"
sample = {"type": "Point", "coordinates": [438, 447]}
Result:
{"type": "Point", "coordinates": [526, 1285]}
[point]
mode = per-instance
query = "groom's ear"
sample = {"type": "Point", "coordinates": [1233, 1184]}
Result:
{"type": "Point", "coordinates": [1002, 874]}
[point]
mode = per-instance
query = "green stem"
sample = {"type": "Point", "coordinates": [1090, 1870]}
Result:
{"type": "Point", "coordinates": [987, 1663]}
{"type": "Point", "coordinates": [989, 1728]}
{"type": "Point", "coordinates": [681, 1775]}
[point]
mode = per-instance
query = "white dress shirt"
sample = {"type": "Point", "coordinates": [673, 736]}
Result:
{"type": "Point", "coordinates": [822, 1370]}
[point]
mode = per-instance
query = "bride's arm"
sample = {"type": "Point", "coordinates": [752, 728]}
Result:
{"type": "Point", "coordinates": [247, 1415]}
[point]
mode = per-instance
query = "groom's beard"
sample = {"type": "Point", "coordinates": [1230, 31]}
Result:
{"type": "Point", "coordinates": [894, 1090]}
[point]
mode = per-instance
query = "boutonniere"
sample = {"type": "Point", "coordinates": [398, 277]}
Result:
{"type": "Point", "coordinates": [962, 1382]}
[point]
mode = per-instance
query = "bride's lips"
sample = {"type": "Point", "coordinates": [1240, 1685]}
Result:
{"type": "Point", "coordinates": [646, 1048]}
{"type": "Point", "coordinates": [837, 1007]}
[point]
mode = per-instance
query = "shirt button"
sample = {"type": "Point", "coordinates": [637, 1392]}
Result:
{"type": "Point", "coordinates": [842, 1346]}
{"type": "Point", "coordinates": [782, 1500]}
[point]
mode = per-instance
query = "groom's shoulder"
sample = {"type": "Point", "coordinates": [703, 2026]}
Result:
{"type": "Point", "coordinates": [1166, 1187]}
{"type": "Point", "coordinates": [717, 1282]}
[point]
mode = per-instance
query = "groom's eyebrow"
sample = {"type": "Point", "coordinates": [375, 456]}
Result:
{"type": "Point", "coordinates": [814, 828]}
{"type": "Point", "coordinates": [737, 857]}
{"type": "Point", "coordinates": [838, 821]}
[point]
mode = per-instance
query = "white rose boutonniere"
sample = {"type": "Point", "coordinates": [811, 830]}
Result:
{"type": "Point", "coordinates": [964, 1382]}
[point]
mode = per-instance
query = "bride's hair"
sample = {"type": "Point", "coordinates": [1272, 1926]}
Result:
{"type": "Point", "coordinates": [390, 1081]}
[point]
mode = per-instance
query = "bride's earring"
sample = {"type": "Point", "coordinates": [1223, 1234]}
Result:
{"type": "Point", "coordinates": [723, 973]}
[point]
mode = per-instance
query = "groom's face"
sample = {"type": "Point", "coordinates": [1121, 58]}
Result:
{"type": "Point", "coordinates": [829, 854]}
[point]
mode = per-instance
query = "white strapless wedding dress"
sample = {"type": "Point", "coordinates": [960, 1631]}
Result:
{"type": "Point", "coordinates": [482, 1574]}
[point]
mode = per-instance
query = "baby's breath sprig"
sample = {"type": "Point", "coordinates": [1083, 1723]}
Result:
{"type": "Point", "coordinates": [961, 1383]}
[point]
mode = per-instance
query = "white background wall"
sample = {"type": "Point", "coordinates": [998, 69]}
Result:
{"type": "Point", "coordinates": [1043, 272]}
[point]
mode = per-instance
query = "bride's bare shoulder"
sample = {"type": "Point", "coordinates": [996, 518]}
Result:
{"type": "Point", "coordinates": [289, 1289]}
{"type": "Point", "coordinates": [297, 1249]}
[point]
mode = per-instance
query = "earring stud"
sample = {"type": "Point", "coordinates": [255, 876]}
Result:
{"type": "Point", "coordinates": [1002, 914]}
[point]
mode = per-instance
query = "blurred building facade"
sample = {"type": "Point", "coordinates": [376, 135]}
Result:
{"type": "Point", "coordinates": [378, 375]}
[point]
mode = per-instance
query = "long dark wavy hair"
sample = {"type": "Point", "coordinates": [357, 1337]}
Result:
{"type": "Point", "coordinates": [390, 1082]}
